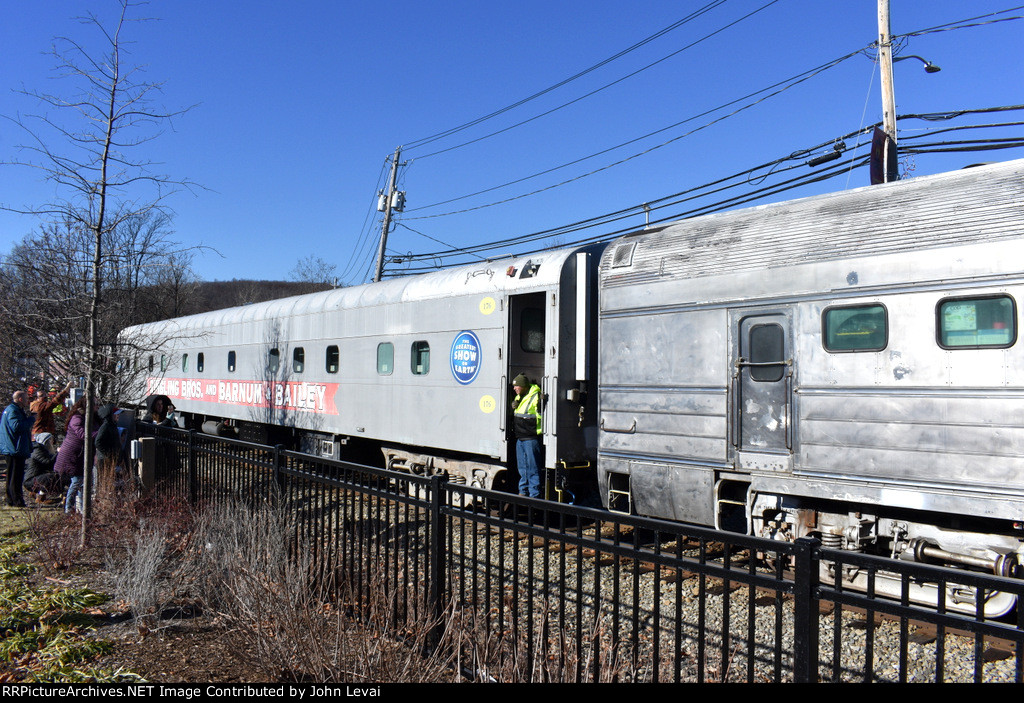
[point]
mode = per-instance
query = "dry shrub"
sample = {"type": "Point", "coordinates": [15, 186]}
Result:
{"type": "Point", "coordinates": [143, 540]}
{"type": "Point", "coordinates": [489, 653]}
{"type": "Point", "coordinates": [142, 574]}
{"type": "Point", "coordinates": [56, 537]}
{"type": "Point", "coordinates": [295, 626]}
{"type": "Point", "coordinates": [115, 489]}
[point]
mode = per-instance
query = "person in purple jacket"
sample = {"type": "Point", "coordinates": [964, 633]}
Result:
{"type": "Point", "coordinates": [70, 464]}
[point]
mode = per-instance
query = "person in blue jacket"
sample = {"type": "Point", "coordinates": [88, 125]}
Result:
{"type": "Point", "coordinates": [16, 445]}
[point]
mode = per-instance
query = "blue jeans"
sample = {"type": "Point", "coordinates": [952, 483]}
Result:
{"type": "Point", "coordinates": [529, 458]}
{"type": "Point", "coordinates": [74, 490]}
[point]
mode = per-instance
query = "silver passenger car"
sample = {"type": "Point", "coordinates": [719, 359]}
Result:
{"type": "Point", "coordinates": [845, 366]}
{"type": "Point", "coordinates": [418, 368]}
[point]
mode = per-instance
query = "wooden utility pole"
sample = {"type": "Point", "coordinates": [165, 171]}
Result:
{"type": "Point", "coordinates": [888, 93]}
{"type": "Point", "coordinates": [388, 202]}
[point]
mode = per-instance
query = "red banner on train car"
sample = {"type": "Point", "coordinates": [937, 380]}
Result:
{"type": "Point", "coordinates": [286, 395]}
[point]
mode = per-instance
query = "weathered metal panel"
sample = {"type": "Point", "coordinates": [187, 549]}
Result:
{"type": "Point", "coordinates": [983, 204]}
{"type": "Point", "coordinates": [671, 491]}
{"type": "Point", "coordinates": [664, 350]}
{"type": "Point", "coordinates": [913, 425]}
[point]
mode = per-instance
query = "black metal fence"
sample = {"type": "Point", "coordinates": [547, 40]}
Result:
{"type": "Point", "coordinates": [562, 593]}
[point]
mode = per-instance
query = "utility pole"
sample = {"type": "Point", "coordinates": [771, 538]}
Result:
{"type": "Point", "coordinates": [888, 93]}
{"type": "Point", "coordinates": [392, 200]}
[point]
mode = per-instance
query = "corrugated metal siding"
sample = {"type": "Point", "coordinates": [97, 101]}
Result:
{"type": "Point", "coordinates": [927, 212]}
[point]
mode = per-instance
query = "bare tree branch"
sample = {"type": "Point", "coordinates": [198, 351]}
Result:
{"type": "Point", "coordinates": [68, 290]}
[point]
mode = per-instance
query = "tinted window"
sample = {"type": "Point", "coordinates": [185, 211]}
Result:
{"type": "Point", "coordinates": [385, 358]}
{"type": "Point", "coordinates": [231, 361]}
{"type": "Point", "coordinates": [420, 358]}
{"type": "Point", "coordinates": [163, 362]}
{"type": "Point", "coordinates": [767, 346]}
{"type": "Point", "coordinates": [273, 360]}
{"type": "Point", "coordinates": [855, 328]}
{"type": "Point", "coordinates": [531, 338]}
{"type": "Point", "coordinates": [298, 360]}
{"type": "Point", "coordinates": [977, 323]}
{"type": "Point", "coordinates": [200, 362]}
{"type": "Point", "coordinates": [184, 362]}
{"type": "Point", "coordinates": [333, 359]}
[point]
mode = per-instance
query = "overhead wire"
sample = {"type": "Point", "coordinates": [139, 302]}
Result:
{"type": "Point", "coordinates": [953, 25]}
{"type": "Point", "coordinates": [434, 239]}
{"type": "Point", "coordinates": [602, 88]}
{"type": "Point", "coordinates": [454, 130]}
{"type": "Point", "coordinates": [823, 174]}
{"type": "Point", "coordinates": [837, 169]}
{"type": "Point", "coordinates": [968, 22]}
{"type": "Point", "coordinates": [703, 190]}
{"type": "Point", "coordinates": [785, 85]}
{"type": "Point", "coordinates": [707, 190]}
{"type": "Point", "coordinates": [365, 229]}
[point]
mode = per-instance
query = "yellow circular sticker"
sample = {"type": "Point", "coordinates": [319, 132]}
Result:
{"type": "Point", "coordinates": [487, 306]}
{"type": "Point", "coordinates": [488, 404]}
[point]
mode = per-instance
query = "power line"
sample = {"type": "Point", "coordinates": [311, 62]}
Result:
{"type": "Point", "coordinates": [837, 169]}
{"type": "Point", "coordinates": [364, 231]}
{"type": "Point", "coordinates": [785, 85]}
{"type": "Point", "coordinates": [433, 239]}
{"type": "Point", "coordinates": [953, 25]}
{"type": "Point", "coordinates": [725, 184]}
{"type": "Point", "coordinates": [660, 203]}
{"type": "Point", "coordinates": [434, 137]}
{"type": "Point", "coordinates": [602, 88]}
{"type": "Point", "coordinates": [966, 23]}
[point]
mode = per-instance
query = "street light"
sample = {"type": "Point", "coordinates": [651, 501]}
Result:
{"type": "Point", "coordinates": [929, 67]}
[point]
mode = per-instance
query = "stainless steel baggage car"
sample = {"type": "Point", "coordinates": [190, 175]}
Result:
{"type": "Point", "coordinates": [847, 366]}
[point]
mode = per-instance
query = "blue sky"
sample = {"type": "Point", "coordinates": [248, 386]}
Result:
{"type": "Point", "coordinates": [299, 105]}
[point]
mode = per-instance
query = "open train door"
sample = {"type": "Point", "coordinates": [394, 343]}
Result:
{"type": "Point", "coordinates": [527, 325]}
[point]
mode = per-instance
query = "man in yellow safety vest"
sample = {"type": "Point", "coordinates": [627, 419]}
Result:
{"type": "Point", "coordinates": [528, 429]}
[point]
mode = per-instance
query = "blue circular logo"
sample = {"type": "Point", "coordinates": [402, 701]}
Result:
{"type": "Point", "coordinates": [466, 357]}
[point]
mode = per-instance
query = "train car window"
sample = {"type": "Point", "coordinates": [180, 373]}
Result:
{"type": "Point", "coordinates": [184, 362]}
{"type": "Point", "coordinates": [531, 336]}
{"type": "Point", "coordinates": [333, 359]}
{"type": "Point", "coordinates": [420, 358]}
{"type": "Point", "coordinates": [231, 361]}
{"type": "Point", "coordinates": [200, 362]}
{"type": "Point", "coordinates": [977, 323]}
{"type": "Point", "coordinates": [855, 328]}
{"type": "Point", "coordinates": [273, 360]}
{"type": "Point", "coordinates": [767, 346]}
{"type": "Point", "coordinates": [298, 360]}
{"type": "Point", "coordinates": [163, 362]}
{"type": "Point", "coordinates": [385, 358]}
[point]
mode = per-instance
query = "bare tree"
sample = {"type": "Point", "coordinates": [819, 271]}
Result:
{"type": "Point", "coordinates": [315, 272]}
{"type": "Point", "coordinates": [87, 141]}
{"type": "Point", "coordinates": [48, 307]}
{"type": "Point", "coordinates": [175, 288]}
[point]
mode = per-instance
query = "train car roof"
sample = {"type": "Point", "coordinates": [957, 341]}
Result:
{"type": "Point", "coordinates": [978, 204]}
{"type": "Point", "coordinates": [513, 275]}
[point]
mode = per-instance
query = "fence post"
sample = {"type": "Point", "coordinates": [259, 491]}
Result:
{"type": "Point", "coordinates": [438, 559]}
{"type": "Point", "coordinates": [805, 610]}
{"type": "Point", "coordinates": [278, 474]}
{"type": "Point", "coordinates": [193, 482]}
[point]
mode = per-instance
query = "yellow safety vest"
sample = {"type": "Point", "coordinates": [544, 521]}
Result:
{"type": "Point", "coordinates": [528, 408]}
